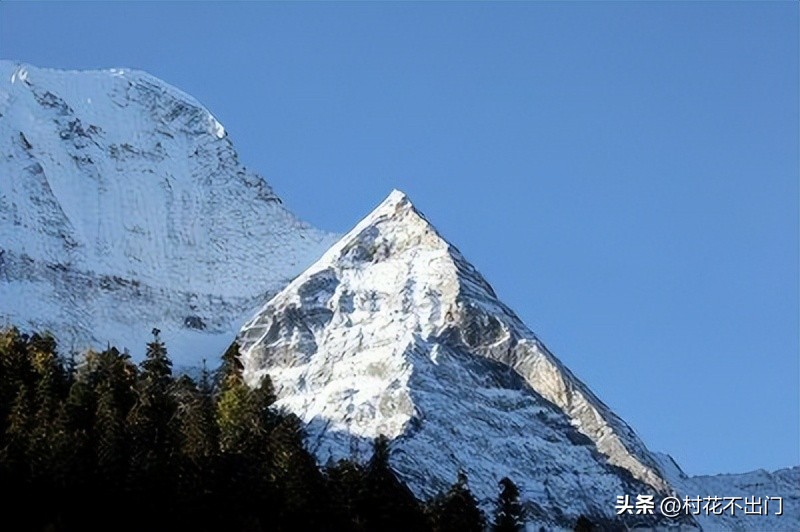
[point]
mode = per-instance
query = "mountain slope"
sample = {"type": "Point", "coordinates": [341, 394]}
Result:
{"type": "Point", "coordinates": [123, 207]}
{"type": "Point", "coordinates": [393, 332]}
{"type": "Point", "coordinates": [754, 486]}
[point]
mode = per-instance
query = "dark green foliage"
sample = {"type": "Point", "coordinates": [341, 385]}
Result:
{"type": "Point", "coordinates": [194, 417]}
{"type": "Point", "coordinates": [16, 372]}
{"type": "Point", "coordinates": [231, 367]}
{"type": "Point", "coordinates": [457, 510]}
{"type": "Point", "coordinates": [98, 438]}
{"type": "Point", "coordinates": [110, 438]}
{"type": "Point", "coordinates": [344, 480]}
{"type": "Point", "coordinates": [36, 446]}
{"type": "Point", "coordinates": [153, 438]}
{"type": "Point", "coordinates": [19, 422]}
{"type": "Point", "coordinates": [300, 489]}
{"type": "Point", "coordinates": [509, 515]}
{"type": "Point", "coordinates": [384, 502]}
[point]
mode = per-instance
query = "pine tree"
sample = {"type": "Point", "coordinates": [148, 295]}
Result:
{"type": "Point", "coordinates": [16, 372]}
{"type": "Point", "coordinates": [303, 500]}
{"type": "Point", "coordinates": [245, 473]}
{"type": "Point", "coordinates": [385, 503]}
{"type": "Point", "coordinates": [231, 367]}
{"type": "Point", "coordinates": [97, 405]}
{"type": "Point", "coordinates": [110, 434]}
{"type": "Point", "coordinates": [195, 417]}
{"type": "Point", "coordinates": [156, 371]}
{"type": "Point", "coordinates": [50, 442]}
{"type": "Point", "coordinates": [14, 459]}
{"type": "Point", "coordinates": [154, 408]}
{"type": "Point", "coordinates": [509, 515]}
{"type": "Point", "coordinates": [457, 510]}
{"type": "Point", "coordinates": [153, 439]}
{"type": "Point", "coordinates": [344, 486]}
{"type": "Point", "coordinates": [16, 442]}
{"type": "Point", "coordinates": [243, 413]}
{"type": "Point", "coordinates": [239, 428]}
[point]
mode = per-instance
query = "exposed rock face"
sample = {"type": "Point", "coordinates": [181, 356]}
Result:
{"type": "Point", "coordinates": [393, 332]}
{"type": "Point", "coordinates": [123, 206]}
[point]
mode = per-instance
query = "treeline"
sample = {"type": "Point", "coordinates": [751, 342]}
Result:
{"type": "Point", "coordinates": [105, 444]}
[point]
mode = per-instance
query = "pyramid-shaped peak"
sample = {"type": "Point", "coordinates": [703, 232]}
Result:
{"type": "Point", "coordinates": [395, 222]}
{"type": "Point", "coordinates": [393, 332]}
{"type": "Point", "coordinates": [396, 196]}
{"type": "Point", "coordinates": [396, 202]}
{"type": "Point", "coordinates": [393, 326]}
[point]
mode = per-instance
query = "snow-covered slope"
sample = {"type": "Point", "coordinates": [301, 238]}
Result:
{"type": "Point", "coordinates": [123, 207]}
{"type": "Point", "coordinates": [393, 332]}
{"type": "Point", "coordinates": [761, 488]}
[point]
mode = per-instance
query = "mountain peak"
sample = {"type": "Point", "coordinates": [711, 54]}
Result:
{"type": "Point", "coordinates": [392, 228]}
{"type": "Point", "coordinates": [127, 190]}
{"type": "Point", "coordinates": [392, 331]}
{"type": "Point", "coordinates": [91, 93]}
{"type": "Point", "coordinates": [395, 197]}
{"type": "Point", "coordinates": [397, 207]}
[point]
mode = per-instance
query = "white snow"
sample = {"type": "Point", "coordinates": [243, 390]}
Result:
{"type": "Point", "coordinates": [392, 332]}
{"type": "Point", "coordinates": [123, 207]}
{"type": "Point", "coordinates": [784, 483]}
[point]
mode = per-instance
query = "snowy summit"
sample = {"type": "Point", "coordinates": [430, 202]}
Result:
{"type": "Point", "coordinates": [123, 207]}
{"type": "Point", "coordinates": [393, 332]}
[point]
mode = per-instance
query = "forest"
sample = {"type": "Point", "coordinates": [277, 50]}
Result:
{"type": "Point", "coordinates": [97, 442]}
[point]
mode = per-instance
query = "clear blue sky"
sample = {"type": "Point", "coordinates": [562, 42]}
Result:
{"type": "Point", "coordinates": [624, 174]}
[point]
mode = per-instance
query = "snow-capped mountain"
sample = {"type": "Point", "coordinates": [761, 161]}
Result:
{"type": "Point", "coordinates": [393, 332]}
{"type": "Point", "coordinates": [123, 207]}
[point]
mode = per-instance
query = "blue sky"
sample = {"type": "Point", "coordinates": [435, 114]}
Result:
{"type": "Point", "coordinates": [624, 174]}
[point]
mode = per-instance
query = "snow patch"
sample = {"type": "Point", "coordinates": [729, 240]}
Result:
{"type": "Point", "coordinates": [216, 128]}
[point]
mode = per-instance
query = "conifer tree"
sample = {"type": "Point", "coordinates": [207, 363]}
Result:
{"type": "Point", "coordinates": [303, 499]}
{"type": "Point", "coordinates": [195, 417]}
{"type": "Point", "coordinates": [14, 458]}
{"type": "Point", "coordinates": [109, 366]}
{"type": "Point", "coordinates": [14, 452]}
{"type": "Point", "coordinates": [457, 510]}
{"type": "Point", "coordinates": [344, 486]}
{"type": "Point", "coordinates": [50, 442]}
{"type": "Point", "coordinates": [198, 449]}
{"type": "Point", "coordinates": [245, 471]}
{"type": "Point", "coordinates": [110, 435]}
{"type": "Point", "coordinates": [153, 438]}
{"type": "Point", "coordinates": [156, 374]}
{"type": "Point", "coordinates": [16, 371]}
{"type": "Point", "coordinates": [243, 413]}
{"type": "Point", "coordinates": [385, 503]}
{"type": "Point", "coordinates": [231, 366]}
{"type": "Point", "coordinates": [509, 516]}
